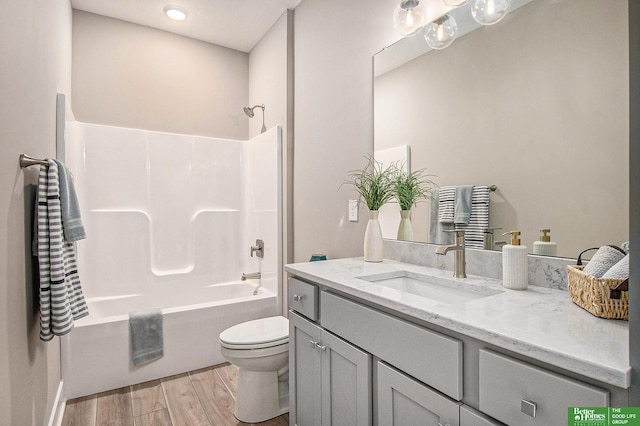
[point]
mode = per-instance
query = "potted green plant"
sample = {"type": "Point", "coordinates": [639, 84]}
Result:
{"type": "Point", "coordinates": [374, 185]}
{"type": "Point", "coordinates": [408, 189]}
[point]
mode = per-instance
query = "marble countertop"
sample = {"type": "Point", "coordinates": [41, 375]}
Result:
{"type": "Point", "coordinates": [540, 323]}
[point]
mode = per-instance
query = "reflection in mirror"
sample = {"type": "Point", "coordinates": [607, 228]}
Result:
{"type": "Point", "coordinates": [537, 105]}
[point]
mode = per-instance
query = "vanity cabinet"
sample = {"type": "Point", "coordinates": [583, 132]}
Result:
{"type": "Point", "coordinates": [331, 365]}
{"type": "Point", "coordinates": [330, 379]}
{"type": "Point", "coordinates": [521, 394]}
{"type": "Point", "coordinates": [403, 401]}
{"type": "Point", "coordinates": [352, 363]}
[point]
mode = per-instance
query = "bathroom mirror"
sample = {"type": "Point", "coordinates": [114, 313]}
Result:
{"type": "Point", "coordinates": [536, 104]}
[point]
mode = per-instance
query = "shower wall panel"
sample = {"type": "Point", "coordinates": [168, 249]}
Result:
{"type": "Point", "coordinates": [165, 209]}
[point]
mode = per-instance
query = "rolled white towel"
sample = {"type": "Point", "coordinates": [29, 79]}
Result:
{"type": "Point", "coordinates": [619, 270]}
{"type": "Point", "coordinates": [603, 260]}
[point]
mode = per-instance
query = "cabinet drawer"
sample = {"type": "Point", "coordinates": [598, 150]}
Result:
{"type": "Point", "coordinates": [403, 401]}
{"type": "Point", "coordinates": [430, 357]}
{"type": "Point", "coordinates": [520, 394]}
{"type": "Point", "coordinates": [303, 298]}
{"type": "Point", "coordinates": [470, 417]}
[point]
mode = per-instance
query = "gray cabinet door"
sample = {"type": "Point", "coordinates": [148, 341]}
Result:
{"type": "Point", "coordinates": [346, 383]}
{"type": "Point", "coordinates": [305, 368]}
{"type": "Point", "coordinates": [403, 401]}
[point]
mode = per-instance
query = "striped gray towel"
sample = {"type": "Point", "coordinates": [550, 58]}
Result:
{"type": "Point", "coordinates": [479, 219]}
{"type": "Point", "coordinates": [446, 204]}
{"type": "Point", "coordinates": [61, 298]}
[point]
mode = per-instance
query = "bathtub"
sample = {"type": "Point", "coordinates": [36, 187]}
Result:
{"type": "Point", "coordinates": [95, 355]}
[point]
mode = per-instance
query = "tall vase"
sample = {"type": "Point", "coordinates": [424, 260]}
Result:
{"type": "Point", "coordinates": [373, 239]}
{"type": "Point", "coordinates": [405, 230]}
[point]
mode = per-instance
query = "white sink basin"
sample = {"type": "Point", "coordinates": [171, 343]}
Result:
{"type": "Point", "coordinates": [450, 291]}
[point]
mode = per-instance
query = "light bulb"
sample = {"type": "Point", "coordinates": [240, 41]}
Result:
{"type": "Point", "coordinates": [409, 16]}
{"type": "Point", "coordinates": [488, 12]}
{"type": "Point", "coordinates": [455, 3]}
{"type": "Point", "coordinates": [491, 7]}
{"type": "Point", "coordinates": [441, 32]}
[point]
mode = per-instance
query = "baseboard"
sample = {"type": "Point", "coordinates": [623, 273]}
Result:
{"type": "Point", "coordinates": [57, 412]}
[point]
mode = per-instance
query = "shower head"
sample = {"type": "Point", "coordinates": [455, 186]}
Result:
{"type": "Point", "coordinates": [249, 111]}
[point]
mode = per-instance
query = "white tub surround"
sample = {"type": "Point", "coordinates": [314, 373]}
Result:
{"type": "Point", "coordinates": [170, 220]}
{"type": "Point", "coordinates": [539, 323]}
{"type": "Point", "coordinates": [162, 208]}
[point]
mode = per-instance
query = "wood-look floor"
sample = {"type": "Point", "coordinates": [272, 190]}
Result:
{"type": "Point", "coordinates": [199, 398]}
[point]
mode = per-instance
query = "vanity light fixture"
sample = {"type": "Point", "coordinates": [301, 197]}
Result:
{"type": "Point", "coordinates": [409, 16]}
{"type": "Point", "coordinates": [441, 32]}
{"type": "Point", "coordinates": [488, 12]}
{"type": "Point", "coordinates": [175, 13]}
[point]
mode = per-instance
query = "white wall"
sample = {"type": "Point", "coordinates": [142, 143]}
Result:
{"type": "Point", "coordinates": [133, 76]}
{"type": "Point", "coordinates": [35, 64]}
{"type": "Point", "coordinates": [334, 45]}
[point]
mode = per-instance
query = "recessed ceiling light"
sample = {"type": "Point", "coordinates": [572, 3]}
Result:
{"type": "Point", "coordinates": [175, 13]}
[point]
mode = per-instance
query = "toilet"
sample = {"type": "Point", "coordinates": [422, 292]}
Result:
{"type": "Point", "coordinates": [260, 350]}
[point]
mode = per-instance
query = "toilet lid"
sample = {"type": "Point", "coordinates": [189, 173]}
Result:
{"type": "Point", "coordinates": [265, 332]}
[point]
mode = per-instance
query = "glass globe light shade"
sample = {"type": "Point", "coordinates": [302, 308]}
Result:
{"type": "Point", "coordinates": [441, 32]}
{"type": "Point", "coordinates": [488, 12]}
{"type": "Point", "coordinates": [455, 3]}
{"type": "Point", "coordinates": [409, 16]}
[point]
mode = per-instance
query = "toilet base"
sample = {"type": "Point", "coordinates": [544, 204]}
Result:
{"type": "Point", "coordinates": [258, 398]}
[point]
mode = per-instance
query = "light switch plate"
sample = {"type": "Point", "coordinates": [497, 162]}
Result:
{"type": "Point", "coordinates": [353, 210]}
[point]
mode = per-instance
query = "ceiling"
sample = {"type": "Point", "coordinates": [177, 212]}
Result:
{"type": "Point", "coordinates": [236, 24]}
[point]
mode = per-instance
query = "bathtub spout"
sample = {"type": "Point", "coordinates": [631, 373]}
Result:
{"type": "Point", "coordinates": [251, 276]}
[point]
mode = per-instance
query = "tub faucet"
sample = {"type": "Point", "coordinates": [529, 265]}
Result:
{"type": "Point", "coordinates": [251, 276]}
{"type": "Point", "coordinates": [458, 253]}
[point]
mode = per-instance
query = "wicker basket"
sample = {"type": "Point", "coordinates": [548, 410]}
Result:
{"type": "Point", "coordinates": [593, 294]}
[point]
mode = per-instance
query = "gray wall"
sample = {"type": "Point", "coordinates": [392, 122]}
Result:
{"type": "Point", "coordinates": [271, 83]}
{"type": "Point", "coordinates": [35, 64]}
{"type": "Point", "coordinates": [129, 75]}
{"type": "Point", "coordinates": [533, 104]}
{"type": "Point", "coordinates": [334, 45]}
{"type": "Point", "coordinates": [634, 196]}
{"type": "Point", "coordinates": [268, 77]}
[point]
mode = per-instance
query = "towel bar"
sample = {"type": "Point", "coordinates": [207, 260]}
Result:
{"type": "Point", "coordinates": [492, 188]}
{"type": "Point", "coordinates": [26, 161]}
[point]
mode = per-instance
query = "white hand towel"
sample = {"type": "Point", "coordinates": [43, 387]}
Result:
{"type": "Point", "coordinates": [603, 260]}
{"type": "Point", "coordinates": [619, 270]}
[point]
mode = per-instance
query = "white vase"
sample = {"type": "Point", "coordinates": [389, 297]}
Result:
{"type": "Point", "coordinates": [373, 239]}
{"type": "Point", "coordinates": [405, 230]}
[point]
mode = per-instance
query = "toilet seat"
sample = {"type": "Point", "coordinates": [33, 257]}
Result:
{"type": "Point", "coordinates": [257, 334]}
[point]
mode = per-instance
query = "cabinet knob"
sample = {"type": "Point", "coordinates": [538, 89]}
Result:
{"type": "Point", "coordinates": [313, 344]}
{"type": "Point", "coordinates": [528, 407]}
{"type": "Point", "coordinates": [298, 297]}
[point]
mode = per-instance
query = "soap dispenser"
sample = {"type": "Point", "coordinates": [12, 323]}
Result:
{"type": "Point", "coordinates": [515, 264]}
{"type": "Point", "coordinates": [545, 247]}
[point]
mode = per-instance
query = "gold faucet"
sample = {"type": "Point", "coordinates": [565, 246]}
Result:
{"type": "Point", "coordinates": [458, 253]}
